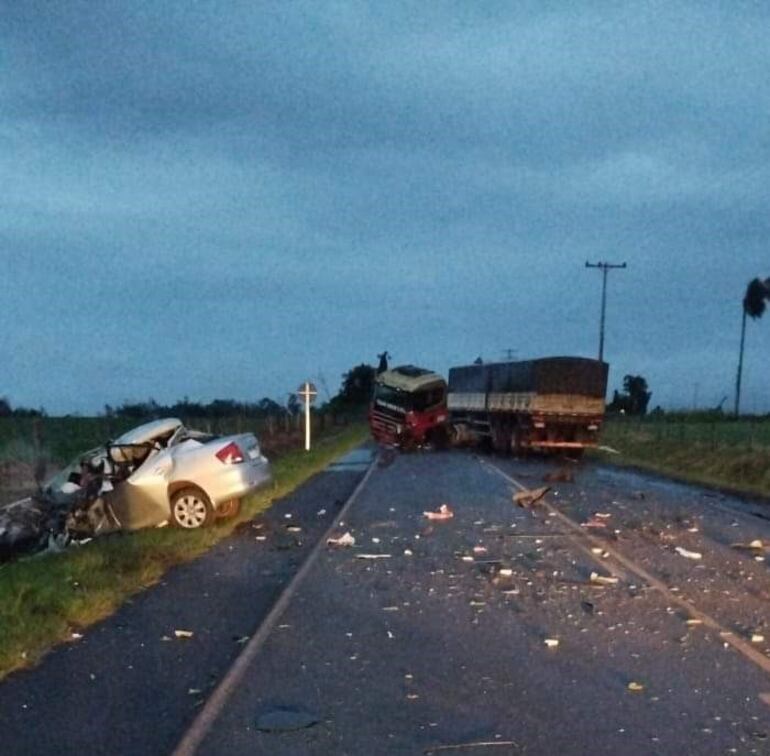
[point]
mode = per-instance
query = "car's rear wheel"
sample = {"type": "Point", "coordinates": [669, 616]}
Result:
{"type": "Point", "coordinates": [229, 508]}
{"type": "Point", "coordinates": [191, 509]}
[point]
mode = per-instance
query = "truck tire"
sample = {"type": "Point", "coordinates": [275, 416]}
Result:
{"type": "Point", "coordinates": [439, 437]}
{"type": "Point", "coordinates": [516, 445]}
{"type": "Point", "coordinates": [501, 438]}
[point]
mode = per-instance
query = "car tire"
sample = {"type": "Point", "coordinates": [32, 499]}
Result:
{"type": "Point", "coordinates": [191, 509]}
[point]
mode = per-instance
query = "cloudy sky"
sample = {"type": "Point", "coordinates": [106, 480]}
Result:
{"type": "Point", "coordinates": [221, 199]}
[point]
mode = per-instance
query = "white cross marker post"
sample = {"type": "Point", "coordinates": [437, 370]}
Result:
{"type": "Point", "coordinates": [308, 392]}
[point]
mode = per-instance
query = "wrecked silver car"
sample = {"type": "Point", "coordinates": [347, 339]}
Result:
{"type": "Point", "coordinates": [160, 472]}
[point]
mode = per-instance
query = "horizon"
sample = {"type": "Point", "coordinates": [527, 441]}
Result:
{"type": "Point", "coordinates": [228, 200]}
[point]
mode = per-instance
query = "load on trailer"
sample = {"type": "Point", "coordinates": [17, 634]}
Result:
{"type": "Point", "coordinates": [548, 404]}
{"type": "Point", "coordinates": [409, 407]}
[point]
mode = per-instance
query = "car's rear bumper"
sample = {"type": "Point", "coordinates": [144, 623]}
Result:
{"type": "Point", "coordinates": [241, 480]}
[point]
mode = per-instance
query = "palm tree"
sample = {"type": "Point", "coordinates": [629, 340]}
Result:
{"type": "Point", "coordinates": [754, 306]}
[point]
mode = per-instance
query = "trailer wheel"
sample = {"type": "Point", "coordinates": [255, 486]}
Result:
{"type": "Point", "coordinates": [517, 447]}
{"type": "Point", "coordinates": [439, 437]}
{"type": "Point", "coordinates": [501, 438]}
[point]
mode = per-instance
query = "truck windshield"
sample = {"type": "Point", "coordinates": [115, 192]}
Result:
{"type": "Point", "coordinates": [407, 401]}
{"type": "Point", "coordinates": [388, 396]}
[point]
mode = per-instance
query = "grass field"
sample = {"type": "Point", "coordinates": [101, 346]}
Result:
{"type": "Point", "coordinates": [716, 451]}
{"type": "Point", "coordinates": [44, 599]}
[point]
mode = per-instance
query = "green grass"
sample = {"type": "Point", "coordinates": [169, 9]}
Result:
{"type": "Point", "coordinates": [44, 599]}
{"type": "Point", "coordinates": [727, 453]}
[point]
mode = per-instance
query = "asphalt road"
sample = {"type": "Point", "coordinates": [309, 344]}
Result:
{"type": "Point", "coordinates": [441, 644]}
{"type": "Point", "coordinates": [438, 646]}
{"type": "Point", "coordinates": [130, 686]}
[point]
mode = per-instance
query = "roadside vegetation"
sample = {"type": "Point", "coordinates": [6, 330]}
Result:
{"type": "Point", "coordinates": [697, 447]}
{"type": "Point", "coordinates": [46, 598]}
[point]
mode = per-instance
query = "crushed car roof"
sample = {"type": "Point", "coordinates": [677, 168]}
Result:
{"type": "Point", "coordinates": [149, 431]}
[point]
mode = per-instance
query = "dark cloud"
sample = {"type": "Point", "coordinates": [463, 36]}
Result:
{"type": "Point", "coordinates": [220, 198]}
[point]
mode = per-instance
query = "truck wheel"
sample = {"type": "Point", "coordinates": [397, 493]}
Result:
{"type": "Point", "coordinates": [516, 446]}
{"type": "Point", "coordinates": [501, 439]}
{"type": "Point", "coordinates": [439, 437]}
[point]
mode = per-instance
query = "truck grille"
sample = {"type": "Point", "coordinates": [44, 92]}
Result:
{"type": "Point", "coordinates": [384, 424]}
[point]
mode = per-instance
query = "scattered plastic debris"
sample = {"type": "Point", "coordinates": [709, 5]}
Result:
{"type": "Point", "coordinates": [755, 545]}
{"type": "Point", "coordinates": [408, 552]}
{"type": "Point", "coordinates": [343, 541]}
{"type": "Point", "coordinates": [757, 638]}
{"type": "Point", "coordinates": [688, 554]}
{"type": "Point", "coordinates": [635, 687]}
{"type": "Point", "coordinates": [528, 497]}
{"type": "Point", "coordinates": [373, 556]}
{"type": "Point", "coordinates": [443, 513]}
{"type": "Point", "coordinates": [551, 642]}
{"type": "Point", "coordinates": [598, 579]}
{"type": "Point", "coordinates": [183, 633]}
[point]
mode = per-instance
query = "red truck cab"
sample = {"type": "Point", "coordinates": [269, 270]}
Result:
{"type": "Point", "coordinates": [408, 408]}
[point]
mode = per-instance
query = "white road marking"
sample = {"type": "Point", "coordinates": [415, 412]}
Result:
{"type": "Point", "coordinates": [213, 707]}
{"type": "Point", "coordinates": [727, 636]}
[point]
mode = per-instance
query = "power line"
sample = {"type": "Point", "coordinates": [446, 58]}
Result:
{"type": "Point", "coordinates": [605, 268]}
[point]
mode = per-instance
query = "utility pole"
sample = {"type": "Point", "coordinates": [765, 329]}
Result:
{"type": "Point", "coordinates": [509, 353]}
{"type": "Point", "coordinates": [605, 268]}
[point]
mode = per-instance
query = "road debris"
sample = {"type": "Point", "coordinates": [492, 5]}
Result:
{"type": "Point", "coordinates": [635, 687]}
{"type": "Point", "coordinates": [343, 541]}
{"type": "Point", "coordinates": [529, 497]}
{"type": "Point", "coordinates": [443, 513]}
{"type": "Point", "coordinates": [598, 579]}
{"type": "Point", "coordinates": [688, 554]}
{"type": "Point", "coordinates": [286, 719]}
{"type": "Point", "coordinates": [183, 633]}
{"type": "Point", "coordinates": [755, 545]}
